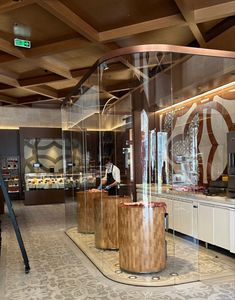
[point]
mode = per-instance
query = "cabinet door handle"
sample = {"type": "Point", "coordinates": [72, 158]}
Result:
{"type": "Point", "coordinates": [195, 206]}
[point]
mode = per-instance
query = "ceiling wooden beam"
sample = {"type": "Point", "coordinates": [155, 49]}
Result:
{"type": "Point", "coordinates": [197, 16]}
{"type": "Point", "coordinates": [47, 78]}
{"type": "Point", "coordinates": [7, 99]}
{"type": "Point", "coordinates": [49, 49]}
{"type": "Point", "coordinates": [53, 65]}
{"type": "Point", "coordinates": [8, 78]}
{"type": "Point", "coordinates": [220, 28]}
{"type": "Point", "coordinates": [63, 93]}
{"type": "Point", "coordinates": [214, 12]}
{"type": "Point", "coordinates": [57, 47]}
{"type": "Point", "coordinates": [67, 16]}
{"type": "Point", "coordinates": [45, 91]}
{"type": "Point", "coordinates": [8, 5]}
{"type": "Point", "coordinates": [188, 15]}
{"type": "Point", "coordinates": [5, 86]}
{"type": "Point", "coordinates": [32, 99]}
{"type": "Point", "coordinates": [11, 81]}
{"type": "Point", "coordinates": [79, 72]}
{"type": "Point", "coordinates": [223, 40]}
{"type": "Point", "coordinates": [6, 58]}
{"type": "Point", "coordinates": [125, 31]}
{"type": "Point", "coordinates": [10, 74]}
{"type": "Point", "coordinates": [8, 47]}
{"type": "Point", "coordinates": [39, 80]}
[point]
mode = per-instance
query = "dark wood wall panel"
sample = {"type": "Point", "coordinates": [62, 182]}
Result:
{"type": "Point", "coordinates": [9, 142]}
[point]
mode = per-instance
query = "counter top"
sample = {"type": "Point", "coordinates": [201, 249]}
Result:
{"type": "Point", "coordinates": [189, 196]}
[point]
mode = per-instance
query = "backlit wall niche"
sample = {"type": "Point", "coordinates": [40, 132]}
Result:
{"type": "Point", "coordinates": [48, 152]}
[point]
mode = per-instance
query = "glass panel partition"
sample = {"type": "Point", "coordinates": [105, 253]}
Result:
{"type": "Point", "coordinates": [142, 157]}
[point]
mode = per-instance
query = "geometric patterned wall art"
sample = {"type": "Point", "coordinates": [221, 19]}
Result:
{"type": "Point", "coordinates": [48, 152]}
{"type": "Point", "coordinates": [215, 117]}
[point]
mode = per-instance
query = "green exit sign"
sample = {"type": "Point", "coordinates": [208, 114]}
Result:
{"type": "Point", "coordinates": [22, 43]}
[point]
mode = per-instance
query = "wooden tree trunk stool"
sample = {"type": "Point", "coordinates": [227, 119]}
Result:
{"type": "Point", "coordinates": [85, 210]}
{"type": "Point", "coordinates": [141, 230]}
{"type": "Point", "coordinates": [106, 221]}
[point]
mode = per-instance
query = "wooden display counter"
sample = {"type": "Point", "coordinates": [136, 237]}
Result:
{"type": "Point", "coordinates": [141, 230]}
{"type": "Point", "coordinates": [44, 196]}
{"type": "Point", "coordinates": [106, 221]}
{"type": "Point", "coordinates": [85, 210]}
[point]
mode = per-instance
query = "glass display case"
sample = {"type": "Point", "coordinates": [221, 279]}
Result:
{"type": "Point", "coordinates": [40, 181]}
{"type": "Point", "coordinates": [44, 188]}
{"type": "Point", "coordinates": [162, 114]}
{"type": "Point", "coordinates": [80, 181]}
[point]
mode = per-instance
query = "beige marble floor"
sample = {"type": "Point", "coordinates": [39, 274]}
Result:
{"type": "Point", "coordinates": [59, 270]}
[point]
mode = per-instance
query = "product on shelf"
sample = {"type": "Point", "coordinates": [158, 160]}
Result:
{"type": "Point", "coordinates": [10, 173]}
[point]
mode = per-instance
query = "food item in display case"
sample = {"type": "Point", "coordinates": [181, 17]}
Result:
{"type": "Point", "coordinates": [187, 188]}
{"type": "Point", "coordinates": [61, 183]}
{"type": "Point", "coordinates": [79, 181]}
{"type": "Point", "coordinates": [44, 182]}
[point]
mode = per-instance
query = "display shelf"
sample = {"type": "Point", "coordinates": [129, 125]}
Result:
{"type": "Point", "coordinates": [10, 172]}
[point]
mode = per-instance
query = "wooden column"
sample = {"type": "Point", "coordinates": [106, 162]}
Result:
{"type": "Point", "coordinates": [85, 210]}
{"type": "Point", "coordinates": [106, 221]}
{"type": "Point", "coordinates": [141, 230]}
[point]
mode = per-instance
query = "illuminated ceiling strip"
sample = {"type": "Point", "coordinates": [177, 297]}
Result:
{"type": "Point", "coordinates": [198, 97]}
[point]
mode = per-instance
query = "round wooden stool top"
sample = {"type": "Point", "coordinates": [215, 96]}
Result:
{"type": "Point", "coordinates": [106, 221]}
{"type": "Point", "coordinates": [141, 230]}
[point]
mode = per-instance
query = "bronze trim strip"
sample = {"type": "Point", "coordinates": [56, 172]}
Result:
{"type": "Point", "coordinates": [149, 48]}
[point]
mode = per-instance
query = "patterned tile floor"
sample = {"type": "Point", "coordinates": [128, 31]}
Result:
{"type": "Point", "coordinates": [59, 270]}
{"type": "Point", "coordinates": [190, 261]}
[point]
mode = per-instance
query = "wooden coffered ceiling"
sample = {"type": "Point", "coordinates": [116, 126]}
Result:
{"type": "Point", "coordinates": [68, 36]}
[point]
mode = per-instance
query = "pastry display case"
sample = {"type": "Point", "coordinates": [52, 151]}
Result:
{"type": "Point", "coordinates": [80, 181]}
{"type": "Point", "coordinates": [44, 188]}
{"type": "Point", "coordinates": [43, 181]}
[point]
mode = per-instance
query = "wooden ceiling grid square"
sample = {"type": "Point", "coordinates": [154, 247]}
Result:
{"type": "Point", "coordinates": [105, 15]}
